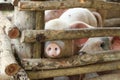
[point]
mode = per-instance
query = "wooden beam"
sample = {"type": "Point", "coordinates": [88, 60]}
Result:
{"type": "Point", "coordinates": [44, 35]}
{"type": "Point", "coordinates": [115, 76]}
{"type": "Point", "coordinates": [10, 29]}
{"type": "Point", "coordinates": [112, 22]}
{"type": "Point", "coordinates": [78, 60]}
{"type": "Point", "coordinates": [8, 64]}
{"type": "Point", "coordinates": [73, 71]}
{"type": "Point", "coordinates": [6, 6]}
{"type": "Point", "coordinates": [38, 47]}
{"type": "Point", "coordinates": [46, 5]}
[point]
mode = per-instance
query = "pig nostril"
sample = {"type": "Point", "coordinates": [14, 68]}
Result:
{"type": "Point", "coordinates": [49, 49]}
{"type": "Point", "coordinates": [55, 49]}
{"type": "Point", "coordinates": [102, 45]}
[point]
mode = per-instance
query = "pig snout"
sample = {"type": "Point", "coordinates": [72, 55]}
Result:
{"type": "Point", "coordinates": [53, 50]}
{"type": "Point", "coordinates": [96, 44]}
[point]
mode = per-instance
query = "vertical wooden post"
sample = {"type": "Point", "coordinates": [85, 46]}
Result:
{"type": "Point", "coordinates": [103, 14]}
{"type": "Point", "coordinates": [39, 47]}
{"type": "Point", "coordinates": [24, 20]}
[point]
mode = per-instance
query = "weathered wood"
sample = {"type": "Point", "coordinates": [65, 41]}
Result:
{"type": "Point", "coordinates": [112, 22]}
{"type": "Point", "coordinates": [40, 64]}
{"type": "Point", "coordinates": [113, 14]}
{"type": "Point", "coordinates": [38, 47]}
{"type": "Point", "coordinates": [10, 29]}
{"type": "Point", "coordinates": [21, 75]}
{"type": "Point", "coordinates": [103, 14]}
{"type": "Point", "coordinates": [107, 77]}
{"type": "Point", "coordinates": [24, 20]}
{"type": "Point", "coordinates": [73, 71]}
{"type": "Point", "coordinates": [6, 6]}
{"type": "Point", "coordinates": [45, 5]}
{"type": "Point", "coordinates": [15, 2]}
{"type": "Point", "coordinates": [5, 1]}
{"type": "Point", "coordinates": [44, 35]}
{"type": "Point", "coordinates": [9, 66]}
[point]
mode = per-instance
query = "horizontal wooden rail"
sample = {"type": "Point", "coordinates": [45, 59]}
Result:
{"type": "Point", "coordinates": [113, 76]}
{"type": "Point", "coordinates": [74, 71]}
{"type": "Point", "coordinates": [39, 64]}
{"type": "Point", "coordinates": [46, 5]}
{"type": "Point", "coordinates": [6, 6]}
{"type": "Point", "coordinates": [44, 35]}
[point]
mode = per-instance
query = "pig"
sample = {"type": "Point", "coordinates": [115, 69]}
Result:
{"type": "Point", "coordinates": [75, 14]}
{"type": "Point", "coordinates": [100, 44]}
{"type": "Point", "coordinates": [90, 44]}
{"type": "Point", "coordinates": [55, 49]}
{"type": "Point", "coordinates": [69, 20]}
{"type": "Point", "coordinates": [53, 14]}
{"type": "Point", "coordinates": [96, 44]}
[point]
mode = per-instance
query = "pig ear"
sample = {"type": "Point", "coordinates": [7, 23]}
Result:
{"type": "Point", "coordinates": [80, 25]}
{"type": "Point", "coordinates": [79, 42]}
{"type": "Point", "coordinates": [115, 43]}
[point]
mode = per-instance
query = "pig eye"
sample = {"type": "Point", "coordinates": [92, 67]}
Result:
{"type": "Point", "coordinates": [55, 49]}
{"type": "Point", "coordinates": [102, 45]}
{"type": "Point", "coordinates": [49, 49]}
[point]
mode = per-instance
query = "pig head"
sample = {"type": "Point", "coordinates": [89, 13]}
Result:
{"type": "Point", "coordinates": [58, 48]}
{"type": "Point", "coordinates": [54, 48]}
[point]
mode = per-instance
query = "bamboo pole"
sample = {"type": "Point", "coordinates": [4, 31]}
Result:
{"type": "Point", "coordinates": [74, 71]}
{"type": "Point", "coordinates": [45, 5]}
{"type": "Point", "coordinates": [10, 29]}
{"type": "Point", "coordinates": [9, 66]}
{"type": "Point", "coordinates": [44, 35]}
{"type": "Point", "coordinates": [40, 64]}
{"type": "Point", "coordinates": [38, 47]}
{"type": "Point", "coordinates": [115, 76]}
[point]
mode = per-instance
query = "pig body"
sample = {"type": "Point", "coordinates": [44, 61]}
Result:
{"type": "Point", "coordinates": [53, 14]}
{"type": "Point", "coordinates": [75, 14]}
{"type": "Point", "coordinates": [81, 14]}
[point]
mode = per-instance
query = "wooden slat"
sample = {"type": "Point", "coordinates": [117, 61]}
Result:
{"type": "Point", "coordinates": [46, 5]}
{"type": "Point", "coordinates": [72, 71]}
{"type": "Point", "coordinates": [44, 35]}
{"type": "Point", "coordinates": [74, 61]}
{"type": "Point", "coordinates": [115, 76]}
{"type": "Point", "coordinates": [38, 47]}
{"type": "Point", "coordinates": [6, 6]}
